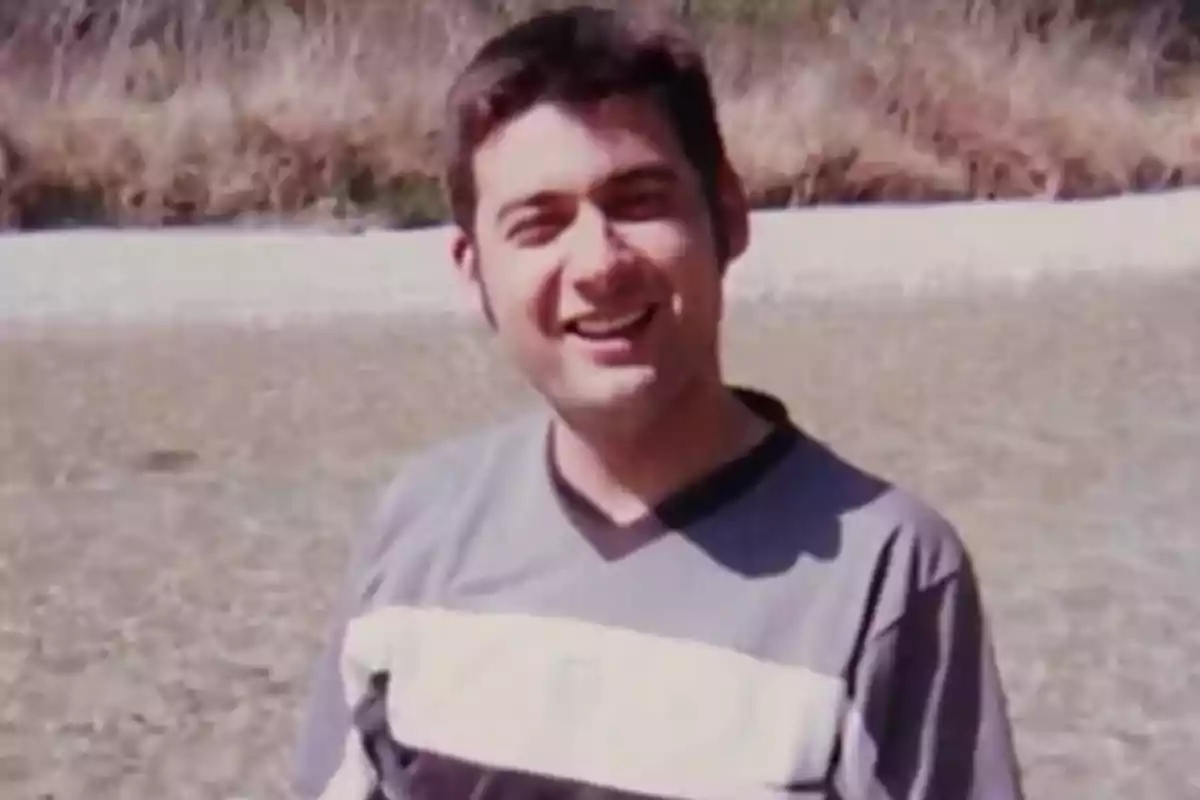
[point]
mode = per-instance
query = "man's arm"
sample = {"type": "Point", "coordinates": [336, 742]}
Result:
{"type": "Point", "coordinates": [325, 722]}
{"type": "Point", "coordinates": [933, 720]}
{"type": "Point", "coordinates": [326, 726]}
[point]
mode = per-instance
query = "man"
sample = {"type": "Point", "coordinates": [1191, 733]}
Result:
{"type": "Point", "coordinates": [656, 585]}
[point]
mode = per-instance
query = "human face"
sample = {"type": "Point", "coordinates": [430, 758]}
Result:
{"type": "Point", "coordinates": [593, 255]}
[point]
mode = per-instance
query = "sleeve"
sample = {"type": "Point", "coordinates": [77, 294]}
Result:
{"type": "Point", "coordinates": [326, 720]}
{"type": "Point", "coordinates": [931, 714]}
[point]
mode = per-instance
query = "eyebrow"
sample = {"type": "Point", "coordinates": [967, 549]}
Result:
{"type": "Point", "coordinates": [645, 173]}
{"type": "Point", "coordinates": [648, 173]}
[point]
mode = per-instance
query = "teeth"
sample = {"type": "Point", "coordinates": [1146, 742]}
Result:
{"type": "Point", "coordinates": [604, 327]}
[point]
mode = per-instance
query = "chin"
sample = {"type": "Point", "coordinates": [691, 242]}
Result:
{"type": "Point", "coordinates": [617, 398]}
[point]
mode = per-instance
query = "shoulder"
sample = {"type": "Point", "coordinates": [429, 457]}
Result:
{"type": "Point", "coordinates": [927, 542]}
{"type": "Point", "coordinates": [478, 455]}
{"type": "Point", "coordinates": [434, 484]}
{"type": "Point", "coordinates": [473, 457]}
{"type": "Point", "coordinates": [883, 520]}
{"type": "Point", "coordinates": [903, 552]}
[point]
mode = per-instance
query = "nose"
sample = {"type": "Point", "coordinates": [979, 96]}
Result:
{"type": "Point", "coordinates": [597, 261]}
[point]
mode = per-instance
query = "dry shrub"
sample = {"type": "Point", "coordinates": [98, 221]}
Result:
{"type": "Point", "coordinates": [301, 110]}
{"type": "Point", "coordinates": [937, 101]}
{"type": "Point", "coordinates": [257, 117]}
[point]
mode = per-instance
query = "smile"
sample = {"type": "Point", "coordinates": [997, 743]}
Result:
{"type": "Point", "coordinates": [597, 328]}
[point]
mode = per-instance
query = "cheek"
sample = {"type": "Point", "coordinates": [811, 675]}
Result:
{"type": "Point", "coordinates": [685, 263]}
{"type": "Point", "coordinates": [522, 297]}
{"type": "Point", "coordinates": [665, 244]}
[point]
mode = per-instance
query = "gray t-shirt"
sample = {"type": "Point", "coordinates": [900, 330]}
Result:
{"type": "Point", "coordinates": [788, 626]}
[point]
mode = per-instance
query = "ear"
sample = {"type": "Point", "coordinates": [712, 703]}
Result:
{"type": "Point", "coordinates": [465, 253]}
{"type": "Point", "coordinates": [733, 212]}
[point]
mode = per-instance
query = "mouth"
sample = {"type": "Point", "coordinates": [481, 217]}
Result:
{"type": "Point", "coordinates": [605, 328]}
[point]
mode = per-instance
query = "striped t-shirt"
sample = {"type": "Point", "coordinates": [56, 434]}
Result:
{"type": "Point", "coordinates": [788, 626]}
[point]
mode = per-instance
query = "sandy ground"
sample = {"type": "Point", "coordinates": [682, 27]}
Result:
{"type": "Point", "coordinates": [279, 276]}
{"type": "Point", "coordinates": [175, 502]}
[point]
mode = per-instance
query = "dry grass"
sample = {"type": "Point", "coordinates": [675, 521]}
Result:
{"type": "Point", "coordinates": [315, 115]}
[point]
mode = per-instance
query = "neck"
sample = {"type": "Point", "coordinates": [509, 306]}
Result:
{"type": "Point", "coordinates": [627, 473]}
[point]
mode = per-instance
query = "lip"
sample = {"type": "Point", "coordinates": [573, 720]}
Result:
{"type": "Point", "coordinates": [617, 347]}
{"type": "Point", "coordinates": [629, 321]}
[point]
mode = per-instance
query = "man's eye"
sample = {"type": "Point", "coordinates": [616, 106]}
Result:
{"type": "Point", "coordinates": [641, 205]}
{"type": "Point", "coordinates": [534, 230]}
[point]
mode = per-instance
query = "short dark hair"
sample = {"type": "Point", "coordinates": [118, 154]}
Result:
{"type": "Point", "coordinates": [577, 56]}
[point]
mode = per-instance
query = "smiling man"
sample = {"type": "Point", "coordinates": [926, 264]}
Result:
{"type": "Point", "coordinates": [655, 584]}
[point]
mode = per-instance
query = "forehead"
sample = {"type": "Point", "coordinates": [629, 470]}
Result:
{"type": "Point", "coordinates": [552, 147]}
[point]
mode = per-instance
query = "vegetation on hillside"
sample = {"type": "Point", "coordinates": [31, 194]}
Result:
{"type": "Point", "coordinates": [161, 112]}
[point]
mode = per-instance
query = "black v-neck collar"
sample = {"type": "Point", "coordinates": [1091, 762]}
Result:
{"type": "Point", "coordinates": [689, 504]}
